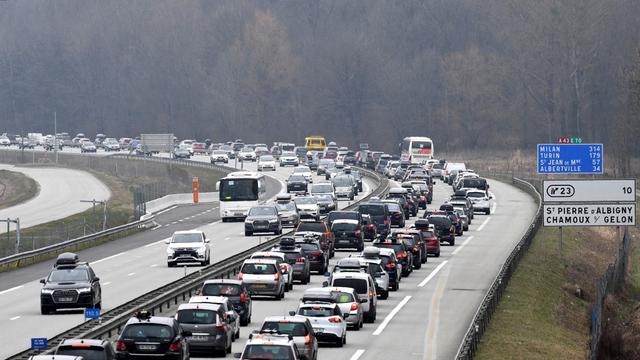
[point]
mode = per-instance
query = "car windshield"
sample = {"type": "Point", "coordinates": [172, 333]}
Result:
{"type": "Point", "coordinates": [297, 178]}
{"type": "Point", "coordinates": [288, 206]}
{"type": "Point", "coordinates": [148, 331]}
{"type": "Point", "coordinates": [266, 158]}
{"type": "Point", "coordinates": [324, 197]}
{"type": "Point", "coordinates": [238, 190]}
{"type": "Point", "coordinates": [285, 327]}
{"type": "Point", "coordinates": [439, 166]}
{"type": "Point", "coordinates": [393, 207]}
{"type": "Point", "coordinates": [196, 316]}
{"type": "Point", "coordinates": [309, 246]}
{"type": "Point", "coordinates": [334, 215]}
{"type": "Point", "coordinates": [301, 170]}
{"type": "Point", "coordinates": [221, 290]}
{"type": "Point", "coordinates": [268, 351]}
{"type": "Point", "coordinates": [87, 353]}
{"type": "Point", "coordinates": [305, 200]}
{"type": "Point", "coordinates": [344, 227]}
{"type": "Point", "coordinates": [316, 311]}
{"type": "Point", "coordinates": [263, 211]}
{"type": "Point", "coordinates": [475, 194]}
{"type": "Point", "coordinates": [219, 152]}
{"type": "Point", "coordinates": [371, 209]}
{"type": "Point", "coordinates": [311, 226]}
{"type": "Point", "coordinates": [63, 275]}
{"type": "Point", "coordinates": [186, 238]}
{"type": "Point", "coordinates": [397, 248]}
{"type": "Point", "coordinates": [359, 285]}
{"type": "Point", "coordinates": [322, 188]}
{"type": "Point", "coordinates": [288, 153]}
{"type": "Point", "coordinates": [258, 269]}
{"type": "Point", "coordinates": [440, 221]}
{"type": "Point", "coordinates": [342, 182]}
{"type": "Point", "coordinates": [474, 183]}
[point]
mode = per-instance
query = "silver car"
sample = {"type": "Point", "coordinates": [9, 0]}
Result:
{"type": "Point", "coordinates": [263, 277]}
{"type": "Point", "coordinates": [344, 186]}
{"type": "Point", "coordinates": [327, 322]}
{"type": "Point", "coordinates": [346, 298]}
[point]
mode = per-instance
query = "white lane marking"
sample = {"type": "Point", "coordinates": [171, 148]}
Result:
{"type": "Point", "coordinates": [462, 245]}
{"type": "Point", "coordinates": [11, 289]}
{"type": "Point", "coordinates": [357, 354]}
{"type": "Point", "coordinates": [433, 273]}
{"type": "Point", "coordinates": [154, 265]}
{"type": "Point", "coordinates": [227, 238]}
{"type": "Point", "coordinates": [107, 258]}
{"type": "Point", "coordinates": [165, 210]}
{"type": "Point", "coordinates": [131, 274]}
{"type": "Point", "coordinates": [107, 283]}
{"type": "Point", "coordinates": [156, 227]}
{"type": "Point", "coordinates": [181, 220]}
{"type": "Point", "coordinates": [493, 207]}
{"type": "Point", "coordinates": [156, 242]}
{"type": "Point", "coordinates": [484, 224]}
{"type": "Point", "coordinates": [14, 318]}
{"type": "Point", "coordinates": [393, 313]}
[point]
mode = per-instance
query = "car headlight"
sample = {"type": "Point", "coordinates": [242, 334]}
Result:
{"type": "Point", "coordinates": [170, 251]}
{"type": "Point", "coordinates": [273, 221]}
{"type": "Point", "coordinates": [47, 291]}
{"type": "Point", "coordinates": [202, 250]}
{"type": "Point", "coordinates": [84, 290]}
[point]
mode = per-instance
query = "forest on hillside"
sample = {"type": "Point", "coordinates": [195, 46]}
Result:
{"type": "Point", "coordinates": [494, 74]}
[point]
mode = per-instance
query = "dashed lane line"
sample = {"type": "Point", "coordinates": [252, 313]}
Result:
{"type": "Point", "coordinates": [484, 223]}
{"type": "Point", "coordinates": [462, 245]}
{"type": "Point", "coordinates": [357, 354]}
{"type": "Point", "coordinates": [433, 273]}
{"type": "Point", "coordinates": [107, 258]}
{"type": "Point", "coordinates": [11, 289]}
{"type": "Point", "coordinates": [389, 317]}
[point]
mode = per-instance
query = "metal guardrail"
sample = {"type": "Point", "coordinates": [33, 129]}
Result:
{"type": "Point", "coordinates": [112, 321]}
{"type": "Point", "coordinates": [481, 319]}
{"type": "Point", "coordinates": [187, 162]}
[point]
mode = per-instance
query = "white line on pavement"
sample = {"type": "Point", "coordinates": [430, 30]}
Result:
{"type": "Point", "coordinates": [131, 274]}
{"type": "Point", "coordinates": [357, 354]}
{"type": "Point", "coordinates": [156, 242]}
{"type": "Point", "coordinates": [165, 210]}
{"type": "Point", "coordinates": [107, 283]}
{"type": "Point", "coordinates": [462, 245]}
{"type": "Point", "coordinates": [107, 258]}
{"type": "Point", "coordinates": [433, 273]}
{"type": "Point", "coordinates": [154, 265]}
{"type": "Point", "coordinates": [393, 313]}
{"type": "Point", "coordinates": [14, 318]}
{"type": "Point", "coordinates": [11, 289]}
{"type": "Point", "coordinates": [493, 207]}
{"type": "Point", "coordinates": [484, 223]}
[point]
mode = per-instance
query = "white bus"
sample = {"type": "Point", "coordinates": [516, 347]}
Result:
{"type": "Point", "coordinates": [239, 191]}
{"type": "Point", "coordinates": [416, 150]}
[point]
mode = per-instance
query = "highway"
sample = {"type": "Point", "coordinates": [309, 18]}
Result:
{"type": "Point", "coordinates": [60, 193]}
{"type": "Point", "coordinates": [127, 268]}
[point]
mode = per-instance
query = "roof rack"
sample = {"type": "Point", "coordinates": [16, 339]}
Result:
{"type": "Point", "coordinates": [67, 259]}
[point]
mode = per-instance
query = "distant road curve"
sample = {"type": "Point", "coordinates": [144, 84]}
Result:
{"type": "Point", "coordinates": [59, 197]}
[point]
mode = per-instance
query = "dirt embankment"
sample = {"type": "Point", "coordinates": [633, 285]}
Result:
{"type": "Point", "coordinates": [16, 188]}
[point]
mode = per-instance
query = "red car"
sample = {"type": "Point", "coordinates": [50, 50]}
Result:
{"type": "Point", "coordinates": [430, 237]}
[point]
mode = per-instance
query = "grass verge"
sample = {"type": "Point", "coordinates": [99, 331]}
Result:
{"type": "Point", "coordinates": [16, 188]}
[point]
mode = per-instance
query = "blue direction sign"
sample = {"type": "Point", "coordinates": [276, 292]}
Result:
{"type": "Point", "coordinates": [90, 313]}
{"type": "Point", "coordinates": [38, 343]}
{"type": "Point", "coordinates": [570, 158]}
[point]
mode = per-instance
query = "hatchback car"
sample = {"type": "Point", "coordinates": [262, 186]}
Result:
{"type": "Point", "coordinates": [347, 234]}
{"type": "Point", "coordinates": [211, 329]}
{"type": "Point", "coordinates": [288, 158]}
{"type": "Point", "coordinates": [308, 207]}
{"type": "Point", "coordinates": [218, 156]}
{"type": "Point", "coordinates": [270, 346]}
{"type": "Point", "coordinates": [230, 316]}
{"type": "Point", "coordinates": [318, 259]}
{"type": "Point", "coordinates": [402, 254]}
{"type": "Point", "coordinates": [285, 268]}
{"type": "Point", "coordinates": [262, 277]}
{"type": "Point", "coordinates": [236, 291]}
{"type": "Point", "coordinates": [320, 230]}
{"type": "Point", "coordinates": [296, 257]}
{"type": "Point", "coordinates": [266, 162]}
{"type": "Point", "coordinates": [364, 285]}
{"type": "Point", "coordinates": [379, 214]}
{"type": "Point", "coordinates": [288, 213]}
{"type": "Point", "coordinates": [327, 322]}
{"type": "Point", "coordinates": [298, 327]}
{"type": "Point", "coordinates": [153, 337]}
{"type": "Point", "coordinates": [297, 184]}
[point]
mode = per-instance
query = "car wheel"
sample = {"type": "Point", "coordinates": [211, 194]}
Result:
{"type": "Point", "coordinates": [248, 233]}
{"type": "Point", "coordinates": [417, 265]}
{"type": "Point", "coordinates": [227, 350]}
{"type": "Point", "coordinates": [384, 295]}
{"type": "Point", "coordinates": [488, 212]}
{"type": "Point", "coordinates": [45, 310]}
{"type": "Point", "coordinates": [244, 322]}
{"type": "Point", "coordinates": [238, 334]}
{"type": "Point", "coordinates": [291, 286]}
{"type": "Point", "coordinates": [452, 242]}
{"type": "Point", "coordinates": [98, 305]}
{"type": "Point", "coordinates": [171, 264]}
{"type": "Point", "coordinates": [340, 342]}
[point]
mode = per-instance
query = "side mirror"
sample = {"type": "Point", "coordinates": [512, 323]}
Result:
{"type": "Point", "coordinates": [207, 241]}
{"type": "Point", "coordinates": [327, 274]}
{"type": "Point", "coordinates": [292, 313]}
{"type": "Point", "coordinates": [237, 355]}
{"type": "Point", "coordinates": [167, 242]}
{"type": "Point", "coordinates": [186, 333]}
{"type": "Point", "coordinates": [490, 196]}
{"type": "Point", "coordinates": [218, 186]}
{"type": "Point", "coordinates": [43, 281]}
{"type": "Point", "coordinates": [364, 301]}
{"type": "Point", "coordinates": [325, 284]}
{"type": "Point", "coordinates": [345, 315]}
{"type": "Point", "coordinates": [96, 279]}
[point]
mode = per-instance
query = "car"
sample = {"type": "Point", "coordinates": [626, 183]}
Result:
{"type": "Point", "coordinates": [320, 230]}
{"type": "Point", "coordinates": [236, 291]}
{"type": "Point", "coordinates": [88, 349]}
{"type": "Point", "coordinates": [288, 158]}
{"type": "Point", "coordinates": [415, 245]}
{"type": "Point", "coordinates": [388, 262]}
{"type": "Point", "coordinates": [266, 162]}
{"type": "Point", "coordinates": [380, 276]}
{"type": "Point", "coordinates": [55, 357]}
{"type": "Point", "coordinates": [347, 299]}
{"type": "Point", "coordinates": [297, 184]}
{"type": "Point", "coordinates": [263, 277]}
{"type": "Point", "coordinates": [288, 213]}
{"type": "Point", "coordinates": [218, 156]}
{"type": "Point", "coordinates": [71, 284]}
{"type": "Point", "coordinates": [379, 214]}
{"type": "Point", "coordinates": [181, 152]}
{"type": "Point", "coordinates": [344, 186]}
{"type": "Point", "coordinates": [459, 210]}
{"type": "Point", "coordinates": [270, 346]}
{"type": "Point", "coordinates": [296, 257]}
{"type": "Point", "coordinates": [429, 235]}
{"type": "Point", "coordinates": [187, 144]}
{"type": "Point", "coordinates": [450, 169]}
{"type": "Point", "coordinates": [285, 268]}
{"type": "Point", "coordinates": [481, 202]}
{"type": "Point", "coordinates": [402, 254]}
{"type": "Point", "coordinates": [304, 171]}
{"type": "Point", "coordinates": [199, 148]}
{"type": "Point", "coordinates": [111, 144]}
{"type": "Point", "coordinates": [364, 285]}
{"type": "Point", "coordinates": [300, 330]}
{"type": "Point", "coordinates": [325, 164]}
{"type": "Point", "coordinates": [347, 234]}
{"type": "Point", "coordinates": [397, 215]}
{"type": "Point", "coordinates": [466, 204]}
{"type": "Point", "coordinates": [247, 154]}
{"type": "Point", "coordinates": [4, 141]}
{"type": "Point", "coordinates": [322, 188]}
{"type": "Point", "coordinates": [262, 218]}
{"type": "Point", "coordinates": [263, 150]}
{"type": "Point", "coordinates": [155, 336]}
{"type": "Point", "coordinates": [307, 207]}
{"type": "Point", "coordinates": [444, 228]}
{"type": "Point", "coordinates": [326, 203]}
{"type": "Point", "coordinates": [405, 200]}
{"type": "Point", "coordinates": [87, 146]}
{"type": "Point", "coordinates": [318, 259]}
{"type": "Point", "coordinates": [327, 321]}
{"type": "Point", "coordinates": [230, 315]}
{"type": "Point", "coordinates": [369, 228]}
{"type": "Point", "coordinates": [188, 246]}
{"type": "Point", "coordinates": [211, 328]}
{"type": "Point", "coordinates": [343, 214]}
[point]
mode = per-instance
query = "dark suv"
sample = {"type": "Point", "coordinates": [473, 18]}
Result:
{"type": "Point", "coordinates": [235, 291]}
{"type": "Point", "coordinates": [297, 258]}
{"type": "Point", "coordinates": [153, 336]}
{"type": "Point", "coordinates": [70, 285]}
{"type": "Point", "coordinates": [402, 253]}
{"type": "Point", "coordinates": [379, 214]}
{"type": "Point", "coordinates": [445, 230]}
{"type": "Point", "coordinates": [318, 259]}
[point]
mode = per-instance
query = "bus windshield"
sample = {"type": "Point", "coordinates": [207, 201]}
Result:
{"type": "Point", "coordinates": [238, 190]}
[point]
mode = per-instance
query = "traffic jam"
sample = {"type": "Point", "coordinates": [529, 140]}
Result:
{"type": "Point", "coordinates": [338, 265]}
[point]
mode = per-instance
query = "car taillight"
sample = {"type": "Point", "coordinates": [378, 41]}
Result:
{"type": "Point", "coordinates": [358, 234]}
{"type": "Point", "coordinates": [220, 326]}
{"type": "Point", "coordinates": [405, 205]}
{"type": "Point", "coordinates": [386, 221]}
{"type": "Point", "coordinates": [324, 245]}
{"type": "Point", "coordinates": [176, 346]}
{"type": "Point", "coordinates": [240, 276]}
{"type": "Point", "coordinates": [276, 276]}
{"type": "Point", "coordinates": [121, 346]}
{"type": "Point", "coordinates": [370, 293]}
{"type": "Point", "coordinates": [317, 253]}
{"type": "Point", "coordinates": [300, 260]}
{"type": "Point", "coordinates": [402, 255]}
{"type": "Point", "coordinates": [283, 267]}
{"type": "Point", "coordinates": [327, 235]}
{"type": "Point", "coordinates": [307, 339]}
{"type": "Point", "coordinates": [354, 306]}
{"type": "Point", "coordinates": [415, 249]}
{"type": "Point", "coordinates": [390, 265]}
{"type": "Point", "coordinates": [370, 226]}
{"type": "Point", "coordinates": [335, 320]}
{"type": "Point", "coordinates": [243, 298]}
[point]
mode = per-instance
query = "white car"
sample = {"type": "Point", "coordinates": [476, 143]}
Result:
{"type": "Point", "coordinates": [266, 162]}
{"type": "Point", "coordinates": [346, 298]}
{"type": "Point", "coordinates": [481, 202]}
{"type": "Point", "coordinates": [285, 267]}
{"type": "Point", "coordinates": [323, 188]}
{"type": "Point", "coordinates": [219, 156]}
{"type": "Point", "coordinates": [187, 144]}
{"type": "Point", "coordinates": [4, 141]}
{"type": "Point", "coordinates": [304, 171]}
{"type": "Point", "coordinates": [247, 154]}
{"type": "Point", "coordinates": [111, 144]}
{"type": "Point", "coordinates": [307, 207]}
{"type": "Point", "coordinates": [364, 285]}
{"type": "Point", "coordinates": [188, 246]}
{"type": "Point", "coordinates": [327, 322]}
{"type": "Point", "coordinates": [288, 158]}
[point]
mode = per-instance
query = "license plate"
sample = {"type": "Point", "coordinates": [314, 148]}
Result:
{"type": "Point", "coordinates": [238, 214]}
{"type": "Point", "coordinates": [259, 286]}
{"type": "Point", "coordinates": [318, 330]}
{"type": "Point", "coordinates": [146, 347]}
{"type": "Point", "coordinates": [261, 227]}
{"type": "Point", "coordinates": [198, 338]}
{"type": "Point", "coordinates": [65, 299]}
{"type": "Point", "coordinates": [343, 240]}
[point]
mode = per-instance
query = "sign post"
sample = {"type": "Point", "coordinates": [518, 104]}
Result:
{"type": "Point", "coordinates": [39, 343]}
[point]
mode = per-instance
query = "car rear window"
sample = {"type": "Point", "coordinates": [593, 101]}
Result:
{"type": "Point", "coordinates": [309, 246]}
{"type": "Point", "coordinates": [196, 316]}
{"type": "Point", "coordinates": [344, 227]}
{"type": "Point", "coordinates": [286, 327]}
{"type": "Point", "coordinates": [397, 248]}
{"type": "Point", "coordinates": [374, 210]}
{"type": "Point", "coordinates": [147, 332]}
{"type": "Point", "coordinates": [359, 285]}
{"type": "Point", "coordinates": [427, 234]}
{"type": "Point", "coordinates": [268, 351]}
{"type": "Point", "coordinates": [258, 269]}
{"type": "Point", "coordinates": [311, 226]}
{"type": "Point", "coordinates": [87, 353]}
{"type": "Point", "coordinates": [221, 290]}
{"type": "Point", "coordinates": [316, 311]}
{"type": "Point", "coordinates": [334, 215]}
{"type": "Point", "coordinates": [440, 221]}
{"type": "Point", "coordinates": [393, 207]}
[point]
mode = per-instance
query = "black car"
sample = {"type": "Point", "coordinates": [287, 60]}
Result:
{"type": "Point", "coordinates": [445, 230]}
{"type": "Point", "coordinates": [236, 291]}
{"type": "Point", "coordinates": [414, 246]}
{"type": "Point", "coordinates": [318, 259]}
{"type": "Point", "coordinates": [152, 337]}
{"type": "Point", "coordinates": [297, 184]}
{"type": "Point", "coordinates": [87, 348]}
{"type": "Point", "coordinates": [396, 213]}
{"type": "Point", "coordinates": [348, 234]}
{"type": "Point", "coordinates": [343, 214]}
{"type": "Point", "coordinates": [403, 203]}
{"type": "Point", "coordinates": [71, 284]}
{"type": "Point", "coordinates": [379, 215]}
{"type": "Point", "coordinates": [262, 218]}
{"type": "Point", "coordinates": [297, 258]}
{"type": "Point", "coordinates": [350, 158]}
{"type": "Point", "coordinates": [402, 253]}
{"type": "Point", "coordinates": [326, 202]}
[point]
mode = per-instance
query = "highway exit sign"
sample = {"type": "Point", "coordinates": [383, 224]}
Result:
{"type": "Point", "coordinates": [570, 158]}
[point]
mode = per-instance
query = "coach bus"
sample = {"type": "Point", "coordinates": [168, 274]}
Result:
{"type": "Point", "coordinates": [239, 191]}
{"type": "Point", "coordinates": [416, 150]}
